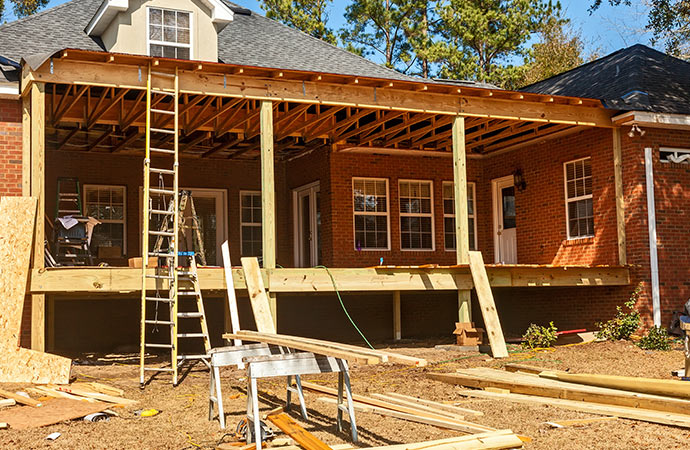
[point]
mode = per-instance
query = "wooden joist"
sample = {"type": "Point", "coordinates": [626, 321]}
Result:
{"type": "Point", "coordinates": [490, 440]}
{"type": "Point", "coordinates": [438, 405]}
{"type": "Point", "coordinates": [533, 385]}
{"type": "Point", "coordinates": [296, 432]}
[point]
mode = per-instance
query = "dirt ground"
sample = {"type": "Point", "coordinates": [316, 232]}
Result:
{"type": "Point", "coordinates": [183, 422]}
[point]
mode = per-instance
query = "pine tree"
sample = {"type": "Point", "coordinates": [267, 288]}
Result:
{"type": "Point", "coordinates": [310, 16]}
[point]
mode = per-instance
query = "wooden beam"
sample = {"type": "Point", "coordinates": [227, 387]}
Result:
{"type": "Point", "coordinates": [488, 306]}
{"type": "Point", "coordinates": [26, 145]}
{"type": "Point", "coordinates": [268, 194]}
{"type": "Point", "coordinates": [620, 196]}
{"type": "Point", "coordinates": [70, 71]}
{"type": "Point", "coordinates": [397, 323]}
{"type": "Point", "coordinates": [462, 240]}
{"type": "Point", "coordinates": [38, 191]}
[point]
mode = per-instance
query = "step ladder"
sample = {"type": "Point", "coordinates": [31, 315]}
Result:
{"type": "Point", "coordinates": [71, 245]}
{"type": "Point", "coordinates": [161, 159]}
{"type": "Point", "coordinates": [68, 197]}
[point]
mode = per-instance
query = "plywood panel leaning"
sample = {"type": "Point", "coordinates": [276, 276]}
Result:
{"type": "Point", "coordinates": [20, 365]}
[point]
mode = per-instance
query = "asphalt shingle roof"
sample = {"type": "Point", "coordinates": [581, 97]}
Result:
{"type": "Point", "coordinates": [250, 39]}
{"type": "Point", "coordinates": [637, 78]}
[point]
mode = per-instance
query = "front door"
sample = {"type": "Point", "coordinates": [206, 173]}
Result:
{"type": "Point", "coordinates": [307, 226]}
{"type": "Point", "coordinates": [505, 235]}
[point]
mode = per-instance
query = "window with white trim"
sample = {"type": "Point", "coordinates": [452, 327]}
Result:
{"type": "Point", "coordinates": [674, 155]}
{"type": "Point", "coordinates": [108, 205]}
{"type": "Point", "coordinates": [170, 33]}
{"type": "Point", "coordinates": [250, 223]}
{"type": "Point", "coordinates": [416, 215]}
{"type": "Point", "coordinates": [370, 209]}
{"type": "Point", "coordinates": [449, 216]}
{"type": "Point", "coordinates": [578, 198]}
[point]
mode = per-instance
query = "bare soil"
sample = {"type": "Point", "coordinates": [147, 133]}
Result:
{"type": "Point", "coordinates": [183, 422]}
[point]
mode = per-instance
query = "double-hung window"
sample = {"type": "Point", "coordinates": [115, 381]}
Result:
{"type": "Point", "coordinates": [449, 216]}
{"type": "Point", "coordinates": [578, 198]}
{"type": "Point", "coordinates": [108, 205]}
{"type": "Point", "coordinates": [170, 33]}
{"type": "Point", "coordinates": [370, 198]}
{"type": "Point", "coordinates": [250, 225]}
{"type": "Point", "coordinates": [416, 215]}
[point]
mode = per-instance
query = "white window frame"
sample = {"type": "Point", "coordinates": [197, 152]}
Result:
{"type": "Point", "coordinates": [371, 213]}
{"type": "Point", "coordinates": [420, 214]}
{"type": "Point", "coordinates": [190, 46]}
{"type": "Point", "coordinates": [682, 153]}
{"type": "Point", "coordinates": [124, 210]}
{"type": "Point", "coordinates": [249, 224]}
{"type": "Point", "coordinates": [574, 199]}
{"type": "Point", "coordinates": [452, 216]}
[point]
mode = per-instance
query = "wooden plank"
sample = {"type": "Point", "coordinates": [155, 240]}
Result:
{"type": "Point", "coordinates": [437, 405]}
{"type": "Point", "coordinates": [462, 241]}
{"type": "Point", "coordinates": [533, 385]}
{"type": "Point", "coordinates": [96, 395]}
{"type": "Point", "coordinates": [275, 339]}
{"type": "Point", "coordinates": [397, 322]}
{"type": "Point", "coordinates": [487, 305]}
{"type": "Point", "coordinates": [70, 71]}
{"type": "Point", "coordinates": [26, 146]}
{"type": "Point", "coordinates": [296, 432]}
{"type": "Point", "coordinates": [500, 439]}
{"type": "Point", "coordinates": [230, 289]}
{"type": "Point", "coordinates": [268, 203]}
{"type": "Point", "coordinates": [577, 422]}
{"type": "Point", "coordinates": [417, 406]}
{"type": "Point", "coordinates": [620, 199]}
{"type": "Point", "coordinates": [20, 398]}
{"type": "Point", "coordinates": [645, 415]}
{"type": "Point", "coordinates": [7, 402]}
{"type": "Point", "coordinates": [257, 295]}
{"type": "Point", "coordinates": [653, 386]}
{"type": "Point", "coordinates": [448, 424]}
{"type": "Point", "coordinates": [38, 192]}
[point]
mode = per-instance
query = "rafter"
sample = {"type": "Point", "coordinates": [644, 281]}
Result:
{"type": "Point", "coordinates": [61, 112]}
{"type": "Point", "coordinates": [444, 120]}
{"type": "Point", "coordinates": [97, 114]}
{"type": "Point", "coordinates": [386, 116]}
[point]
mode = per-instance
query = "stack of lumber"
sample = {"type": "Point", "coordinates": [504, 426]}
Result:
{"type": "Point", "coordinates": [628, 397]}
{"type": "Point", "coordinates": [335, 349]}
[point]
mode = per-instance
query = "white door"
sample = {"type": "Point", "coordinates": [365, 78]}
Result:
{"type": "Point", "coordinates": [505, 236]}
{"type": "Point", "coordinates": [307, 226]}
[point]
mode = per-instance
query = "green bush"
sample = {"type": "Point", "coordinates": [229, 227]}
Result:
{"type": "Point", "coordinates": [625, 323]}
{"type": "Point", "coordinates": [655, 339]}
{"type": "Point", "coordinates": [539, 337]}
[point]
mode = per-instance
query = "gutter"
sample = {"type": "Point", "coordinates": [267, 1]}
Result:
{"type": "Point", "coordinates": [651, 221]}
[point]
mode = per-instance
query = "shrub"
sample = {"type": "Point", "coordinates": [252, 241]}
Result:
{"type": "Point", "coordinates": [655, 339]}
{"type": "Point", "coordinates": [625, 323]}
{"type": "Point", "coordinates": [539, 337]}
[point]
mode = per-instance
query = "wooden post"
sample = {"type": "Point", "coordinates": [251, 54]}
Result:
{"type": "Point", "coordinates": [37, 120]}
{"type": "Point", "coordinates": [462, 240]}
{"type": "Point", "coordinates": [268, 191]}
{"type": "Point", "coordinates": [397, 323]}
{"type": "Point", "coordinates": [620, 199]}
{"type": "Point", "coordinates": [26, 145]}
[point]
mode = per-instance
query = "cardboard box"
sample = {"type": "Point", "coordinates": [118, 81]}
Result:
{"type": "Point", "coordinates": [467, 334]}
{"type": "Point", "coordinates": [136, 262]}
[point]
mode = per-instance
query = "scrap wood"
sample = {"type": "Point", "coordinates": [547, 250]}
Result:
{"type": "Point", "coordinates": [376, 403]}
{"type": "Point", "coordinates": [533, 385]}
{"type": "Point", "coordinates": [577, 422]}
{"type": "Point", "coordinates": [102, 388]}
{"type": "Point", "coordinates": [7, 402]}
{"type": "Point", "coordinates": [438, 405]}
{"type": "Point", "coordinates": [418, 406]}
{"type": "Point", "coordinates": [487, 305]}
{"type": "Point", "coordinates": [51, 392]}
{"type": "Point", "coordinates": [20, 398]}
{"type": "Point", "coordinates": [443, 422]}
{"type": "Point", "coordinates": [276, 339]}
{"type": "Point", "coordinates": [499, 439]}
{"type": "Point", "coordinates": [625, 412]}
{"type": "Point", "coordinates": [21, 365]}
{"type": "Point", "coordinates": [95, 395]}
{"type": "Point", "coordinates": [296, 432]}
{"type": "Point", "coordinates": [52, 411]}
{"type": "Point", "coordinates": [654, 386]}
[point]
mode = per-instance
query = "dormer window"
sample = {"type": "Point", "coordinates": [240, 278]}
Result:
{"type": "Point", "coordinates": [169, 33]}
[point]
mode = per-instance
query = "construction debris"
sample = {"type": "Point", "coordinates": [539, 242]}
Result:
{"type": "Point", "coordinates": [296, 432]}
{"type": "Point", "coordinates": [579, 422]}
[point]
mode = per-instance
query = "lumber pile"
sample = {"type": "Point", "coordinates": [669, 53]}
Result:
{"type": "Point", "coordinates": [532, 386]}
{"type": "Point", "coordinates": [335, 349]}
{"type": "Point", "coordinates": [21, 365]}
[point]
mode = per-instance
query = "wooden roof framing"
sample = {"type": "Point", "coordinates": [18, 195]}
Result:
{"type": "Point", "coordinates": [95, 103]}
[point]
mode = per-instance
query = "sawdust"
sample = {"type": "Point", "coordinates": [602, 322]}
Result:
{"type": "Point", "coordinates": [183, 422]}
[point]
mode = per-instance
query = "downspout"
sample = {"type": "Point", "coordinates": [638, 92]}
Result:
{"type": "Point", "coordinates": [651, 221]}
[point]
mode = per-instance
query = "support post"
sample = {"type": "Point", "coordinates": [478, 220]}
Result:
{"type": "Point", "coordinates": [620, 199]}
{"type": "Point", "coordinates": [397, 323]}
{"type": "Point", "coordinates": [462, 240]}
{"type": "Point", "coordinates": [37, 120]}
{"type": "Point", "coordinates": [651, 222]}
{"type": "Point", "coordinates": [26, 145]}
{"type": "Point", "coordinates": [268, 191]}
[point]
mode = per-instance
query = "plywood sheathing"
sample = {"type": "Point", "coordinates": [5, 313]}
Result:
{"type": "Point", "coordinates": [20, 365]}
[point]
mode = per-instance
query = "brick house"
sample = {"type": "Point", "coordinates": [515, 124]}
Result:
{"type": "Point", "coordinates": [366, 171]}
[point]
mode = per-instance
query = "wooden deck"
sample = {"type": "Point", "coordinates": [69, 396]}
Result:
{"type": "Point", "coordinates": [123, 280]}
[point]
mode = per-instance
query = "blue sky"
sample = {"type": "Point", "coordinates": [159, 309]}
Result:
{"type": "Point", "coordinates": [605, 31]}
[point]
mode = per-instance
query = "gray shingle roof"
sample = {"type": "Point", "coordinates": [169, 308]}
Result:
{"type": "Point", "coordinates": [250, 39]}
{"type": "Point", "coordinates": [637, 78]}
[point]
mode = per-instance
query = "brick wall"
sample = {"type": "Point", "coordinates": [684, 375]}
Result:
{"type": "Point", "coordinates": [10, 147]}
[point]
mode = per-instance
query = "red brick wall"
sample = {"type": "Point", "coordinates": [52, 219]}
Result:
{"type": "Point", "coordinates": [10, 147]}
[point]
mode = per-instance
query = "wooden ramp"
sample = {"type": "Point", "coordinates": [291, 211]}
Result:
{"type": "Point", "coordinates": [487, 305]}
